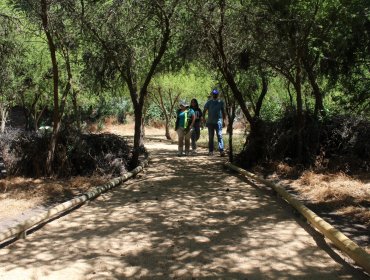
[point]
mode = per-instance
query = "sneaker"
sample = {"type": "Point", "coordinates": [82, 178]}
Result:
{"type": "Point", "coordinates": [210, 153]}
{"type": "Point", "coordinates": [179, 154]}
{"type": "Point", "coordinates": [222, 154]}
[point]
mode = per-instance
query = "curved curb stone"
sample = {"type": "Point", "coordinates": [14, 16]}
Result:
{"type": "Point", "coordinates": [355, 252]}
{"type": "Point", "coordinates": [19, 230]}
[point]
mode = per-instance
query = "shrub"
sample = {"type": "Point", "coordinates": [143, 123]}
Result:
{"type": "Point", "coordinates": [340, 143]}
{"type": "Point", "coordinates": [76, 154]}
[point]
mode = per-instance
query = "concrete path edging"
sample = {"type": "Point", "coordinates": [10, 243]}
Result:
{"type": "Point", "coordinates": [20, 230]}
{"type": "Point", "coordinates": [355, 252]}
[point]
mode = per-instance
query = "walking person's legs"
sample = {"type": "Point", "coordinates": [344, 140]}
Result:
{"type": "Point", "coordinates": [187, 142]}
{"type": "Point", "coordinates": [193, 140]}
{"type": "Point", "coordinates": [197, 132]}
{"type": "Point", "coordinates": [195, 136]}
{"type": "Point", "coordinates": [180, 134]}
{"type": "Point", "coordinates": [211, 136]}
{"type": "Point", "coordinates": [219, 139]}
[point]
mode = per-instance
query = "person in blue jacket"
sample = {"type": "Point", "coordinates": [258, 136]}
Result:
{"type": "Point", "coordinates": [216, 116]}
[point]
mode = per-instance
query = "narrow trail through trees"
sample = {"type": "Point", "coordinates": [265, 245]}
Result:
{"type": "Point", "coordinates": [182, 218]}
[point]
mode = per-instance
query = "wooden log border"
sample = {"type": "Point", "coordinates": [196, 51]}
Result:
{"type": "Point", "coordinates": [155, 139]}
{"type": "Point", "coordinates": [355, 252]}
{"type": "Point", "coordinates": [20, 230]}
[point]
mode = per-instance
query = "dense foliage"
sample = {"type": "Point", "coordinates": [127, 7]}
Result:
{"type": "Point", "coordinates": [66, 63]}
{"type": "Point", "coordinates": [76, 154]}
{"type": "Point", "coordinates": [335, 144]}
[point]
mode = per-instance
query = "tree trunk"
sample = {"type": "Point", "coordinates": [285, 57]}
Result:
{"type": "Point", "coordinates": [76, 110]}
{"type": "Point", "coordinates": [4, 116]}
{"type": "Point", "coordinates": [27, 115]}
{"type": "Point", "coordinates": [138, 101]}
{"type": "Point", "coordinates": [166, 114]}
{"type": "Point", "coordinates": [138, 136]}
{"type": "Point", "coordinates": [255, 148]}
{"type": "Point", "coordinates": [38, 117]}
{"type": "Point", "coordinates": [159, 100]}
{"type": "Point", "coordinates": [300, 120]}
{"type": "Point", "coordinates": [54, 62]}
{"type": "Point", "coordinates": [290, 94]}
{"type": "Point", "coordinates": [167, 126]}
{"type": "Point", "coordinates": [230, 111]}
{"type": "Point", "coordinates": [52, 146]}
{"type": "Point", "coordinates": [262, 95]}
{"type": "Point", "coordinates": [319, 105]}
{"type": "Point", "coordinates": [230, 130]}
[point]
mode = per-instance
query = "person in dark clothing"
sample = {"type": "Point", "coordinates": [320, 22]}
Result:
{"type": "Point", "coordinates": [198, 121]}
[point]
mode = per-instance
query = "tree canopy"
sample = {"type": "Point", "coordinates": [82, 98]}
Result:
{"type": "Point", "coordinates": [63, 60]}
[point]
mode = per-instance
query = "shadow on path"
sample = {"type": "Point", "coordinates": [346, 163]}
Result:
{"type": "Point", "coordinates": [183, 218]}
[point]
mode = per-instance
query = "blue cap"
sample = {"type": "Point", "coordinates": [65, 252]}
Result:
{"type": "Point", "coordinates": [215, 91]}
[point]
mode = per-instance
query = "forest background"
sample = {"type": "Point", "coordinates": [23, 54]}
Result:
{"type": "Point", "coordinates": [294, 75]}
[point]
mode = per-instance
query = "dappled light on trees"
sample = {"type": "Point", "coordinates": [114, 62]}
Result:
{"type": "Point", "coordinates": [307, 60]}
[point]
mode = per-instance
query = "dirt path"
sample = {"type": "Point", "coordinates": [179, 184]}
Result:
{"type": "Point", "coordinates": [183, 218]}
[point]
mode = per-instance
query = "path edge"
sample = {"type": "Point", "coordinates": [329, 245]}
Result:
{"type": "Point", "coordinates": [20, 229]}
{"type": "Point", "coordinates": [354, 251]}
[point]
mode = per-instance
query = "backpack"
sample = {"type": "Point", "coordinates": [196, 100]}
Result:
{"type": "Point", "coordinates": [178, 119]}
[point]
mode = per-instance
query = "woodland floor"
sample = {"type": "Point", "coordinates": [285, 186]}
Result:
{"type": "Point", "coordinates": [181, 218]}
{"type": "Point", "coordinates": [342, 200]}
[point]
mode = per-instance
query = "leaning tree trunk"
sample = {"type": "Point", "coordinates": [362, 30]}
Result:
{"type": "Point", "coordinates": [300, 119]}
{"type": "Point", "coordinates": [76, 110]}
{"type": "Point", "coordinates": [56, 119]}
{"type": "Point", "coordinates": [230, 130]}
{"type": "Point", "coordinates": [37, 116]}
{"type": "Point", "coordinates": [4, 116]}
{"type": "Point", "coordinates": [319, 104]}
{"type": "Point", "coordinates": [167, 125]}
{"type": "Point", "coordinates": [139, 99]}
{"type": "Point", "coordinates": [52, 146]}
